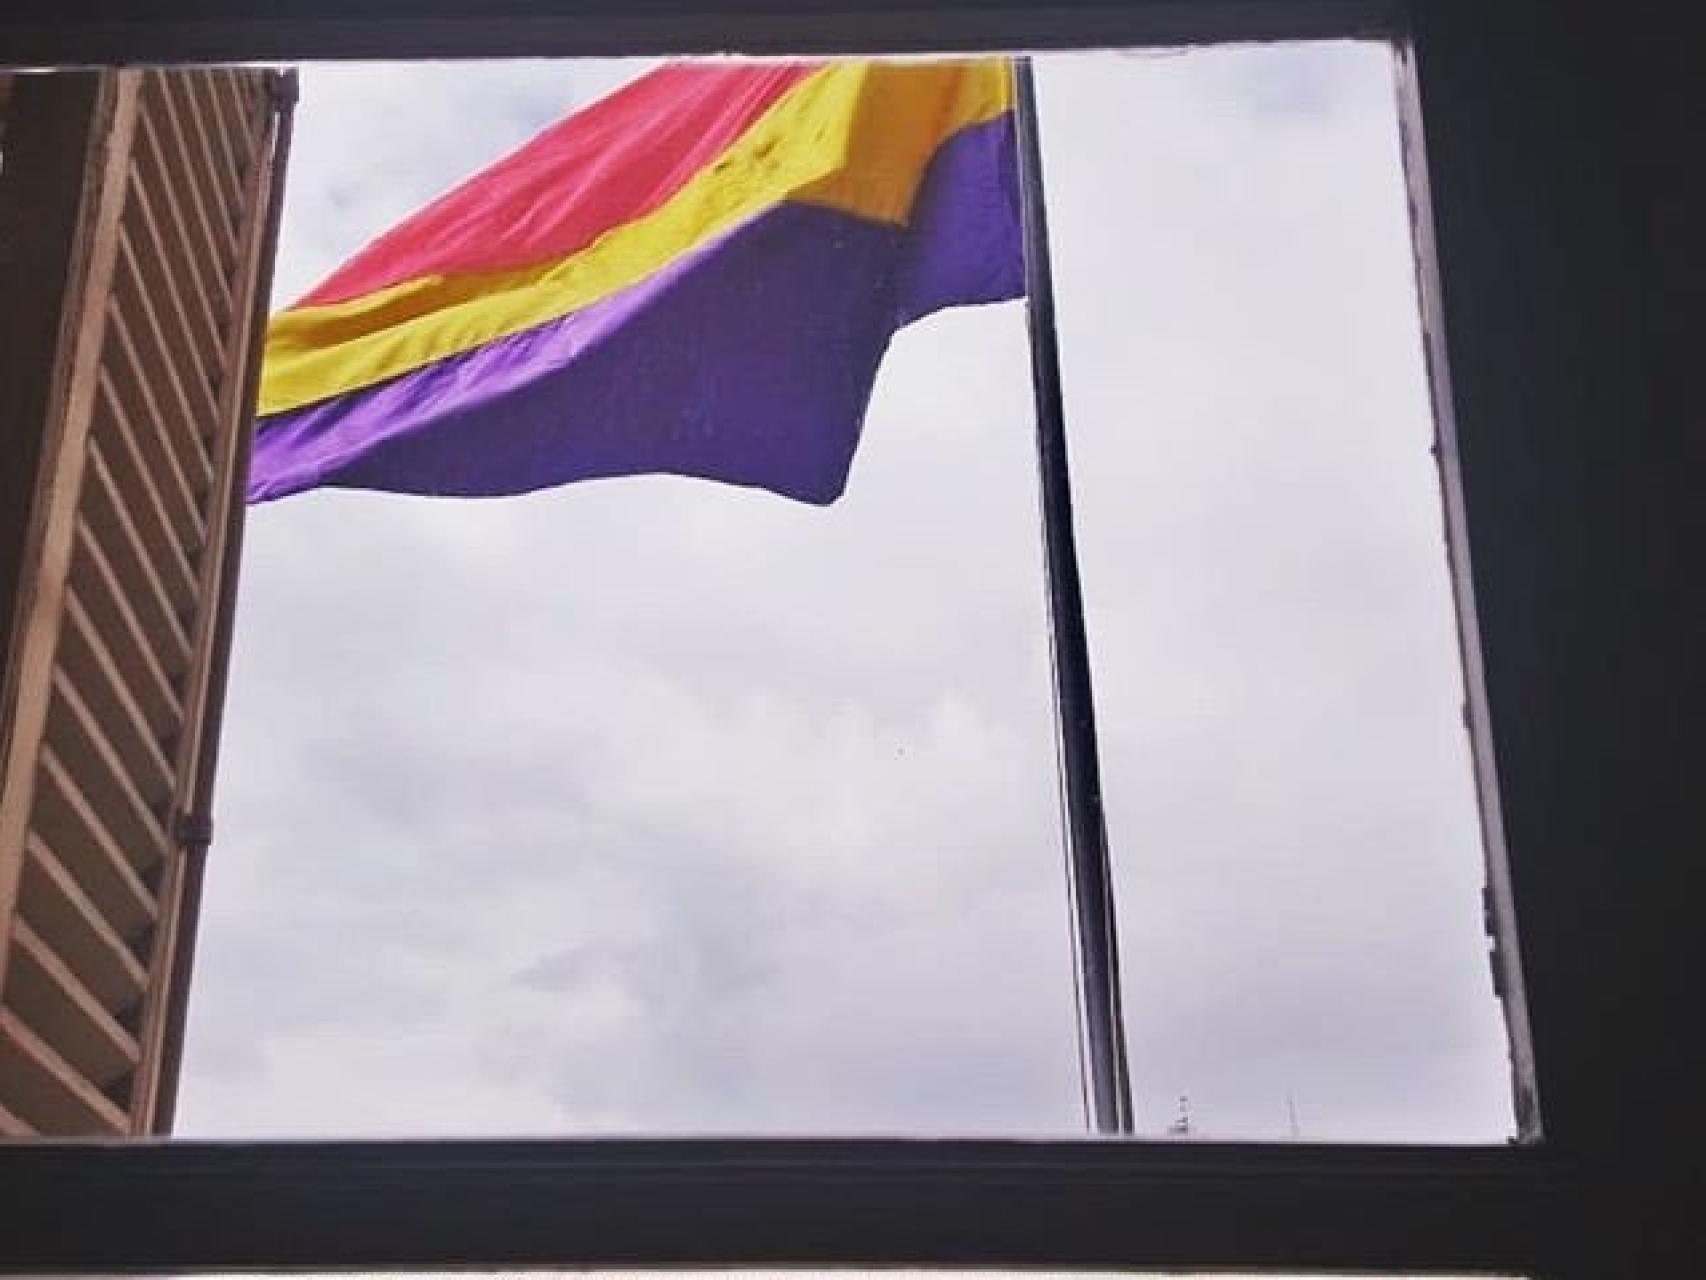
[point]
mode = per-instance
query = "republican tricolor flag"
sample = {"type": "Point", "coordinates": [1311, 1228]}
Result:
{"type": "Point", "coordinates": [697, 275]}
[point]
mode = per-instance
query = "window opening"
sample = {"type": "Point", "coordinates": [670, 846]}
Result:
{"type": "Point", "coordinates": [853, 643]}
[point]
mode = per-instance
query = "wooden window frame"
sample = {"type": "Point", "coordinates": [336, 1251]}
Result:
{"type": "Point", "coordinates": [1561, 459]}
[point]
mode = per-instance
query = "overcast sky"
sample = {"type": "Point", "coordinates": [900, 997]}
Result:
{"type": "Point", "coordinates": [652, 805]}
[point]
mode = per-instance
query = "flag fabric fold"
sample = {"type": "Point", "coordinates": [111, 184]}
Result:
{"type": "Point", "coordinates": [698, 275]}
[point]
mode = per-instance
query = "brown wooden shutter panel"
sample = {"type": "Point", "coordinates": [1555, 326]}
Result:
{"type": "Point", "coordinates": [122, 561]}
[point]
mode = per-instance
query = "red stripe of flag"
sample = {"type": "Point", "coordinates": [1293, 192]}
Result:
{"type": "Point", "coordinates": [606, 165]}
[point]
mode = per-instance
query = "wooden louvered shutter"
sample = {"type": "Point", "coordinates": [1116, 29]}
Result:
{"type": "Point", "coordinates": [137, 223]}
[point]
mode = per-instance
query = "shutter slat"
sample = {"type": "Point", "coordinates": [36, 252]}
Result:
{"type": "Point", "coordinates": [174, 188]}
{"type": "Point", "coordinates": [122, 450]}
{"type": "Point", "coordinates": [223, 185]}
{"type": "Point", "coordinates": [194, 399]}
{"type": "Point", "coordinates": [108, 604]}
{"type": "Point", "coordinates": [231, 102]}
{"type": "Point", "coordinates": [68, 822]}
{"type": "Point", "coordinates": [183, 453]}
{"type": "Point", "coordinates": [241, 103]}
{"type": "Point", "coordinates": [93, 669]}
{"type": "Point", "coordinates": [137, 417]}
{"type": "Point", "coordinates": [47, 1091]}
{"type": "Point", "coordinates": [230, 163]}
{"type": "Point", "coordinates": [50, 896]}
{"type": "Point", "coordinates": [195, 328]}
{"type": "Point", "coordinates": [12, 1126]}
{"type": "Point", "coordinates": [188, 143]}
{"type": "Point", "coordinates": [221, 190]}
{"type": "Point", "coordinates": [83, 745]}
{"type": "Point", "coordinates": [111, 521]}
{"type": "Point", "coordinates": [42, 989]}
